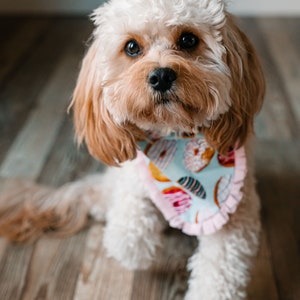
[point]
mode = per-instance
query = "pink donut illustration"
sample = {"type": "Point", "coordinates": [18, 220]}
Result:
{"type": "Point", "coordinates": [180, 199]}
{"type": "Point", "coordinates": [227, 161]}
{"type": "Point", "coordinates": [197, 155]}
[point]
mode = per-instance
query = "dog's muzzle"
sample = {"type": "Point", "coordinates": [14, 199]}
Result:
{"type": "Point", "coordinates": [162, 79]}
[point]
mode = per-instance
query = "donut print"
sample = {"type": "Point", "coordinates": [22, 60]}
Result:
{"type": "Point", "coordinates": [222, 189]}
{"type": "Point", "coordinates": [197, 155]}
{"type": "Point", "coordinates": [157, 174]}
{"type": "Point", "coordinates": [162, 153]}
{"type": "Point", "coordinates": [193, 185]}
{"type": "Point", "coordinates": [227, 161]}
{"type": "Point", "coordinates": [180, 199]}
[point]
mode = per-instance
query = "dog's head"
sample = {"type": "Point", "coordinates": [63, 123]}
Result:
{"type": "Point", "coordinates": [165, 66]}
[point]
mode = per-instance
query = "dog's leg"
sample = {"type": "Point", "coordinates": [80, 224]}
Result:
{"type": "Point", "coordinates": [220, 266]}
{"type": "Point", "coordinates": [133, 223]}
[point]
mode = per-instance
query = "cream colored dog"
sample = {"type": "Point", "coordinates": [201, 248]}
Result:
{"type": "Point", "coordinates": [164, 66]}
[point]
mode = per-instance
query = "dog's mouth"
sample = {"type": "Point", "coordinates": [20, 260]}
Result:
{"type": "Point", "coordinates": [171, 99]}
{"type": "Point", "coordinates": [169, 113]}
{"type": "Point", "coordinates": [163, 101]}
{"type": "Point", "coordinates": [165, 98]}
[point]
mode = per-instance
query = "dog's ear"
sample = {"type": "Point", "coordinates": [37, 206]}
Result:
{"type": "Point", "coordinates": [107, 141]}
{"type": "Point", "coordinates": [247, 91]}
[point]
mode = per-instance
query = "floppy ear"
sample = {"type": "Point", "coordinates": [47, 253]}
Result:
{"type": "Point", "coordinates": [247, 91]}
{"type": "Point", "coordinates": [107, 141]}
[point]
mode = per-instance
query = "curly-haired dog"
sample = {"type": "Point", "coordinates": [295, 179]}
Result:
{"type": "Point", "coordinates": [180, 76]}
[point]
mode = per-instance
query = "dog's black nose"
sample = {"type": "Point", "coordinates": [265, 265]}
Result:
{"type": "Point", "coordinates": [162, 79]}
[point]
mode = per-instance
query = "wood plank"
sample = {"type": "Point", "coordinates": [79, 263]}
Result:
{"type": "Point", "coordinates": [292, 26]}
{"type": "Point", "coordinates": [14, 50]}
{"type": "Point", "coordinates": [21, 93]}
{"type": "Point", "coordinates": [40, 120]}
{"type": "Point", "coordinates": [8, 26]}
{"type": "Point", "coordinates": [13, 267]}
{"type": "Point", "coordinates": [28, 152]}
{"type": "Point", "coordinates": [276, 120]}
{"type": "Point", "coordinates": [65, 276]}
{"type": "Point", "coordinates": [287, 59]}
{"type": "Point", "coordinates": [54, 268]}
{"type": "Point", "coordinates": [262, 284]}
{"type": "Point", "coordinates": [32, 145]}
{"type": "Point", "coordinates": [278, 185]}
{"type": "Point", "coordinates": [3, 245]}
{"type": "Point", "coordinates": [101, 277]}
{"type": "Point", "coordinates": [66, 161]}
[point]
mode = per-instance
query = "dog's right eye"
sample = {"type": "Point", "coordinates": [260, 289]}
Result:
{"type": "Point", "coordinates": [133, 49]}
{"type": "Point", "coordinates": [188, 41]}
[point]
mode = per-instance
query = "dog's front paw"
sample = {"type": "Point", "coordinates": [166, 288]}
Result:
{"type": "Point", "coordinates": [133, 231]}
{"type": "Point", "coordinates": [134, 248]}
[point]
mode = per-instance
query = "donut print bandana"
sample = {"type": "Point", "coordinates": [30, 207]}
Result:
{"type": "Point", "coordinates": [194, 187]}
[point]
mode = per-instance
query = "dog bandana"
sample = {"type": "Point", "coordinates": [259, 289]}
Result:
{"type": "Point", "coordinates": [193, 186]}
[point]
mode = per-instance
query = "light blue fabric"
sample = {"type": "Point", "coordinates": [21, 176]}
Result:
{"type": "Point", "coordinates": [175, 157]}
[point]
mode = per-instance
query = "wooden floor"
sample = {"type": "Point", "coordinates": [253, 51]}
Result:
{"type": "Point", "coordinates": [39, 61]}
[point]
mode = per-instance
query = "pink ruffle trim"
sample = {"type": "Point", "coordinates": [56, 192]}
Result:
{"type": "Point", "coordinates": [211, 224]}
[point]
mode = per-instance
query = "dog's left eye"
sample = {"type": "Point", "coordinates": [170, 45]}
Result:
{"type": "Point", "coordinates": [187, 41]}
{"type": "Point", "coordinates": [132, 48]}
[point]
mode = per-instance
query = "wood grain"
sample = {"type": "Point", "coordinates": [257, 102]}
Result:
{"type": "Point", "coordinates": [278, 39]}
{"type": "Point", "coordinates": [277, 119]}
{"type": "Point", "coordinates": [54, 268]}
{"type": "Point", "coordinates": [101, 277]}
{"type": "Point", "coordinates": [32, 75]}
{"type": "Point", "coordinates": [66, 163]}
{"type": "Point", "coordinates": [33, 143]}
{"type": "Point", "coordinates": [22, 41]}
{"type": "Point", "coordinates": [262, 284]}
{"type": "Point", "coordinates": [279, 187]}
{"type": "Point", "coordinates": [13, 267]}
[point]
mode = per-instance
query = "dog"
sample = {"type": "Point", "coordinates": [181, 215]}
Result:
{"type": "Point", "coordinates": [180, 70]}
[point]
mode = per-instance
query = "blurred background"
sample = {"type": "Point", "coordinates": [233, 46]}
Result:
{"type": "Point", "coordinates": [242, 7]}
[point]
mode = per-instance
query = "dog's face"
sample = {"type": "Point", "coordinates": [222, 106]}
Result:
{"type": "Point", "coordinates": [165, 66]}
